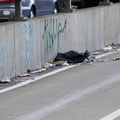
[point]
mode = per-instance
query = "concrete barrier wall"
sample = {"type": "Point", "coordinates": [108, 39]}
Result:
{"type": "Point", "coordinates": [29, 44]}
{"type": "Point", "coordinates": [112, 24]}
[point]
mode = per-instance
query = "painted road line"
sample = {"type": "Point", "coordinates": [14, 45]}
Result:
{"type": "Point", "coordinates": [67, 100]}
{"type": "Point", "coordinates": [112, 116]}
{"type": "Point", "coordinates": [36, 79]}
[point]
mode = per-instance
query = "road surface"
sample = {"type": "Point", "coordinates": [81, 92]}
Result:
{"type": "Point", "coordinates": [84, 92]}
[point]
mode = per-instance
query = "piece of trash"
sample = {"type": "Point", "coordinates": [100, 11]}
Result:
{"type": "Point", "coordinates": [117, 59]}
{"type": "Point", "coordinates": [65, 63]}
{"type": "Point", "coordinates": [61, 63]}
{"type": "Point", "coordinates": [47, 65]}
{"type": "Point", "coordinates": [89, 62]}
{"type": "Point", "coordinates": [51, 65]}
{"type": "Point", "coordinates": [107, 49]}
{"type": "Point", "coordinates": [24, 75]}
{"type": "Point", "coordinates": [72, 56]}
{"type": "Point", "coordinates": [96, 53]}
{"type": "Point", "coordinates": [44, 69]}
{"type": "Point", "coordinates": [5, 80]}
{"type": "Point", "coordinates": [38, 71]}
{"type": "Point", "coordinates": [58, 64]}
{"type": "Point", "coordinates": [28, 71]}
{"type": "Point", "coordinates": [93, 58]}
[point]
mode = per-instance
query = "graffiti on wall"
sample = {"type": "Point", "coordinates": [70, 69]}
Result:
{"type": "Point", "coordinates": [27, 43]}
{"type": "Point", "coordinates": [53, 30]}
{"type": "Point", "coordinates": [24, 44]}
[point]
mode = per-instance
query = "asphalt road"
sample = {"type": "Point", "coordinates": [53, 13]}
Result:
{"type": "Point", "coordinates": [84, 92]}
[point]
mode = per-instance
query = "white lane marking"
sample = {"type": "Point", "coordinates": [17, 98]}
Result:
{"type": "Point", "coordinates": [61, 103]}
{"type": "Point", "coordinates": [35, 79]}
{"type": "Point", "coordinates": [112, 116]}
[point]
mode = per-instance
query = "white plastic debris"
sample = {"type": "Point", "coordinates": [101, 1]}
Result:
{"type": "Point", "coordinates": [47, 65]}
{"type": "Point", "coordinates": [5, 80]}
{"type": "Point", "coordinates": [38, 71]}
{"type": "Point", "coordinates": [52, 65]}
{"type": "Point", "coordinates": [96, 53]}
{"type": "Point", "coordinates": [65, 64]}
{"type": "Point", "coordinates": [107, 48]}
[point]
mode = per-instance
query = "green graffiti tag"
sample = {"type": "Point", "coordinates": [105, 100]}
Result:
{"type": "Point", "coordinates": [52, 31]}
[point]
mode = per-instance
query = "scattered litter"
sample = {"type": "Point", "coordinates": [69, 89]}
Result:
{"type": "Point", "coordinates": [5, 80]}
{"type": "Point", "coordinates": [111, 47]}
{"type": "Point", "coordinates": [100, 60]}
{"type": "Point", "coordinates": [107, 60]}
{"type": "Point", "coordinates": [66, 59]}
{"type": "Point", "coordinates": [61, 63]}
{"type": "Point", "coordinates": [24, 75]}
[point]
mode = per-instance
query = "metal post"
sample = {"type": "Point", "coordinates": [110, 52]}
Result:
{"type": "Point", "coordinates": [18, 8]}
{"type": "Point", "coordinates": [18, 12]}
{"type": "Point", "coordinates": [67, 6]}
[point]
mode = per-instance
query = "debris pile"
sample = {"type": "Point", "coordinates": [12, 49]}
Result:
{"type": "Point", "coordinates": [108, 49]}
{"type": "Point", "coordinates": [111, 48]}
